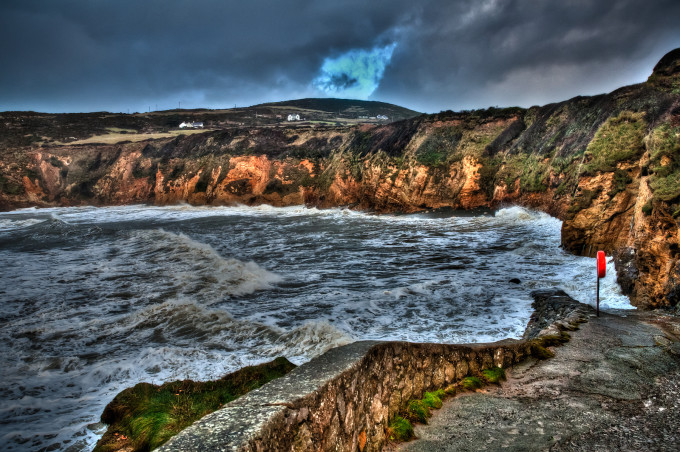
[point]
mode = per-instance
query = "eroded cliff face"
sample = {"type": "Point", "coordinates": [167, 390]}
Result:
{"type": "Point", "coordinates": [608, 166]}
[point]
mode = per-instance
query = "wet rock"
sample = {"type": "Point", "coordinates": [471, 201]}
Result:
{"type": "Point", "coordinates": [626, 269]}
{"type": "Point", "coordinates": [672, 286]}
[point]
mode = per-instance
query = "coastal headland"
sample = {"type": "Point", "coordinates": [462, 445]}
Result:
{"type": "Point", "coordinates": [608, 166]}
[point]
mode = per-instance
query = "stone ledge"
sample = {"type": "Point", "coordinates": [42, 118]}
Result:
{"type": "Point", "coordinates": [344, 399]}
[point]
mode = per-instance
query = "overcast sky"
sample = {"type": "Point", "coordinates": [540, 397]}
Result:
{"type": "Point", "coordinates": [93, 55]}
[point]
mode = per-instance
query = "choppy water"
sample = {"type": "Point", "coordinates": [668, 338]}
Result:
{"type": "Point", "coordinates": [94, 300]}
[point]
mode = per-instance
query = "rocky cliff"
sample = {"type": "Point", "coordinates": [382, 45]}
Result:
{"type": "Point", "coordinates": [607, 165]}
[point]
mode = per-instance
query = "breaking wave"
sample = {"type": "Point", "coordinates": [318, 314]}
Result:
{"type": "Point", "coordinates": [98, 299]}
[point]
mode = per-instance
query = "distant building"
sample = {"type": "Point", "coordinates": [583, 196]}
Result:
{"type": "Point", "coordinates": [191, 125]}
{"type": "Point", "coordinates": [382, 117]}
{"type": "Point", "coordinates": [294, 117]}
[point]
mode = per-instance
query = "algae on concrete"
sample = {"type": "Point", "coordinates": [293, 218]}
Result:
{"type": "Point", "coordinates": [145, 416]}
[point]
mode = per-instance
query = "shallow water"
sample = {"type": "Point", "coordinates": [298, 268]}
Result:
{"type": "Point", "coordinates": [94, 300]}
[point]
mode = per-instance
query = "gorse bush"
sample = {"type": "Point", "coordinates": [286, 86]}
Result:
{"type": "Point", "coordinates": [619, 139]}
{"type": "Point", "coordinates": [664, 148]}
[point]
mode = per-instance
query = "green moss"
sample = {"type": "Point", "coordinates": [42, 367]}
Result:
{"type": "Point", "coordinates": [665, 184]}
{"type": "Point", "coordinates": [434, 399]}
{"type": "Point", "coordinates": [400, 429]}
{"type": "Point", "coordinates": [647, 208]}
{"type": "Point", "coordinates": [471, 383]}
{"type": "Point", "coordinates": [324, 180]}
{"type": "Point", "coordinates": [533, 178]}
{"type": "Point", "coordinates": [494, 375]}
{"type": "Point", "coordinates": [431, 158]}
{"type": "Point", "coordinates": [148, 415]}
{"type": "Point", "coordinates": [418, 411]}
{"type": "Point", "coordinates": [619, 182]}
{"type": "Point", "coordinates": [663, 141]}
{"type": "Point", "coordinates": [619, 139]}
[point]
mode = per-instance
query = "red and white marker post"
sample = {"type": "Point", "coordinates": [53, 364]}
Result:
{"type": "Point", "coordinates": [601, 271]}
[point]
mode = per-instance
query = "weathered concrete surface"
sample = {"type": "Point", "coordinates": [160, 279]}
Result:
{"type": "Point", "coordinates": [614, 386]}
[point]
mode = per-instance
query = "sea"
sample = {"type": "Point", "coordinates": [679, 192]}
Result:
{"type": "Point", "coordinates": [94, 300]}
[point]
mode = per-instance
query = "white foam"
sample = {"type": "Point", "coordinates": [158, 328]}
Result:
{"type": "Point", "coordinates": [9, 224]}
{"type": "Point", "coordinates": [311, 339]}
{"type": "Point", "coordinates": [187, 261]}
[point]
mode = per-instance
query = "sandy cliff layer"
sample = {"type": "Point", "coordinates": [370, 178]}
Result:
{"type": "Point", "coordinates": [608, 166]}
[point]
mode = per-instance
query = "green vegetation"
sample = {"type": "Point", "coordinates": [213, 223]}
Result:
{"type": "Point", "coordinates": [619, 139]}
{"type": "Point", "coordinates": [145, 416]}
{"type": "Point", "coordinates": [400, 429]}
{"type": "Point", "coordinates": [487, 174]}
{"type": "Point", "coordinates": [531, 170]}
{"type": "Point", "coordinates": [534, 175]}
{"type": "Point", "coordinates": [471, 383]}
{"type": "Point", "coordinates": [664, 145]}
{"type": "Point", "coordinates": [440, 144]}
{"type": "Point", "coordinates": [619, 182]}
{"type": "Point", "coordinates": [538, 346]}
{"type": "Point", "coordinates": [570, 167]}
{"type": "Point", "coordinates": [494, 375]}
{"type": "Point", "coordinates": [434, 399]}
{"type": "Point", "coordinates": [418, 411]}
{"type": "Point", "coordinates": [647, 208]}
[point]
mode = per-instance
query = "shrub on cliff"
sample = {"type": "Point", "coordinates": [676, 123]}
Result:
{"type": "Point", "coordinates": [619, 139]}
{"type": "Point", "coordinates": [664, 147]}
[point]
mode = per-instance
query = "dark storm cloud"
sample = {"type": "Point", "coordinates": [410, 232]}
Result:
{"type": "Point", "coordinates": [106, 55]}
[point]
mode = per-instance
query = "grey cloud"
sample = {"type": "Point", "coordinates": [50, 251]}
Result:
{"type": "Point", "coordinates": [82, 55]}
